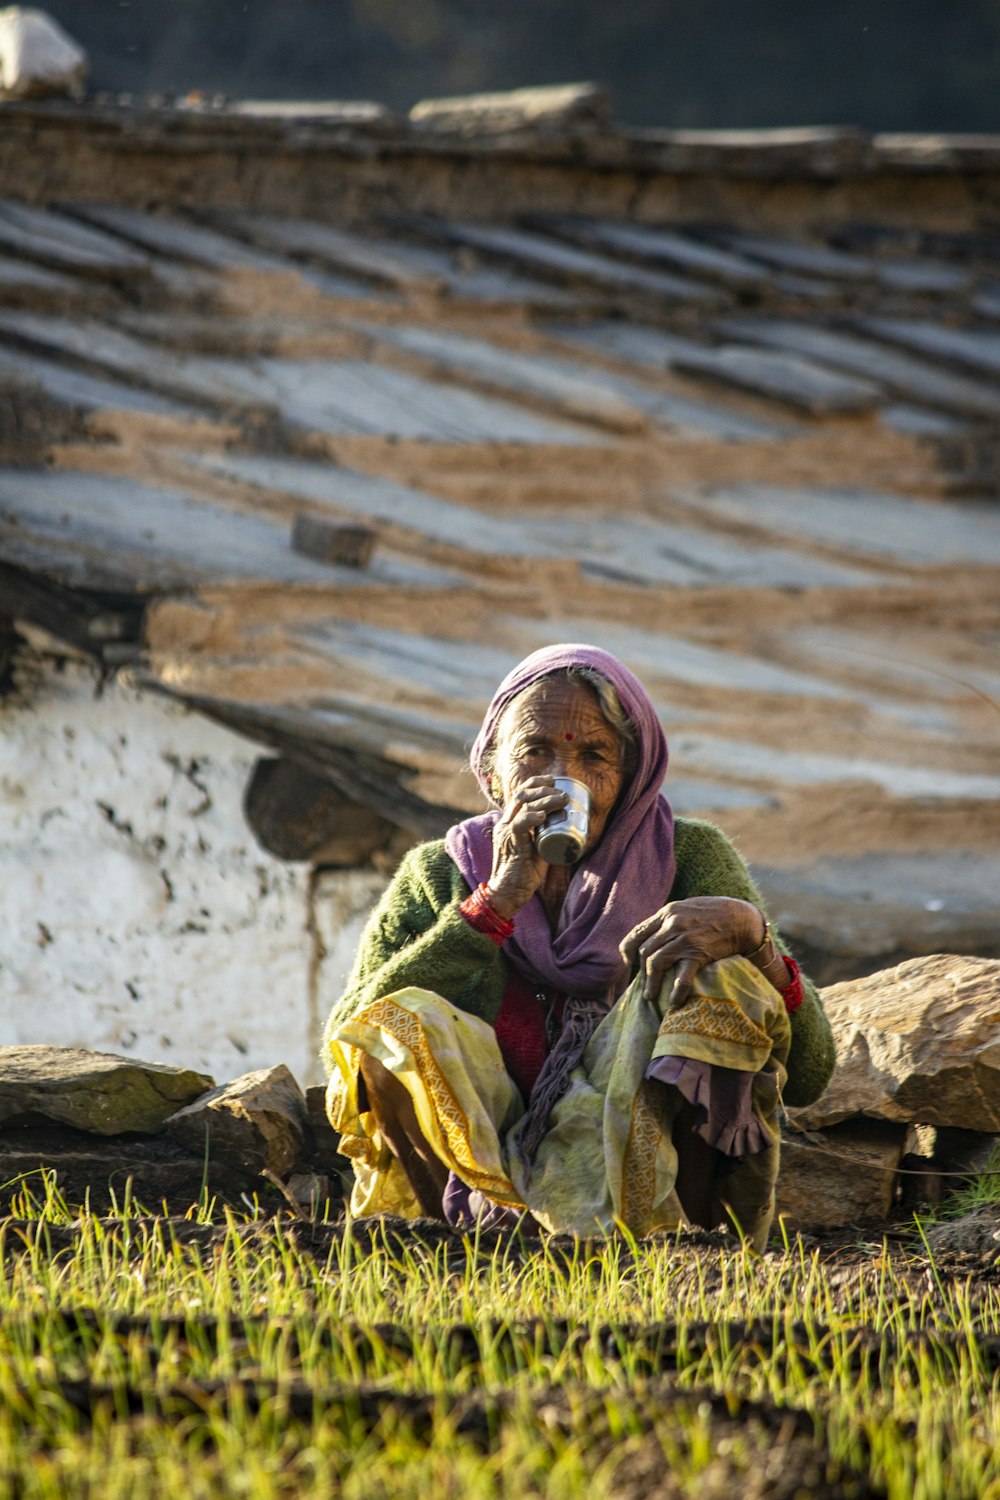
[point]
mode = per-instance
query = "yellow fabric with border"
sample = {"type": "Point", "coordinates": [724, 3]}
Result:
{"type": "Point", "coordinates": [607, 1158]}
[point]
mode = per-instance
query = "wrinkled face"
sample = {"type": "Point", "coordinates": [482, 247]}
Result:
{"type": "Point", "coordinates": [556, 728]}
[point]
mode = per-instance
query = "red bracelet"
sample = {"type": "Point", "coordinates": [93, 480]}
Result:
{"type": "Point", "coordinates": [478, 912]}
{"type": "Point", "coordinates": [793, 995]}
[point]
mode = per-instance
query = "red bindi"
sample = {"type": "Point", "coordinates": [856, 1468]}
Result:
{"type": "Point", "coordinates": [569, 736]}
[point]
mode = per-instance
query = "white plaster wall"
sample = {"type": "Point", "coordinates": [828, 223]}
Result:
{"type": "Point", "coordinates": [137, 913]}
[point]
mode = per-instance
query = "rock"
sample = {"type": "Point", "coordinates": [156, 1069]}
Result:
{"type": "Point", "coordinates": [326, 1155]}
{"type": "Point", "coordinates": [256, 1123]}
{"type": "Point", "coordinates": [921, 1185]}
{"type": "Point", "coordinates": [93, 1091]}
{"type": "Point", "coordinates": [556, 108]}
{"type": "Point", "coordinates": [37, 57]}
{"type": "Point", "coordinates": [332, 541]}
{"type": "Point", "coordinates": [311, 1190]}
{"type": "Point", "coordinates": [975, 1233]}
{"type": "Point", "coordinates": [297, 815]}
{"type": "Point", "coordinates": [838, 1177]}
{"type": "Point", "coordinates": [966, 1152]}
{"type": "Point", "coordinates": [99, 1172]}
{"type": "Point", "coordinates": [918, 1043]}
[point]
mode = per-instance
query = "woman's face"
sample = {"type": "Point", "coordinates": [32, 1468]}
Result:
{"type": "Point", "coordinates": [556, 728]}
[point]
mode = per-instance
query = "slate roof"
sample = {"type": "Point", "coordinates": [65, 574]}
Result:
{"type": "Point", "coordinates": [761, 466]}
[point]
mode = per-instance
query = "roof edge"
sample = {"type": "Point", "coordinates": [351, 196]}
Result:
{"type": "Point", "coordinates": [575, 130]}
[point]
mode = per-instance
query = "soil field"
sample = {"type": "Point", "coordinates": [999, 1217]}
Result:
{"type": "Point", "coordinates": [272, 1357]}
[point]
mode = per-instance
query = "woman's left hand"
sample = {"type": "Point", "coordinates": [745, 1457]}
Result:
{"type": "Point", "coordinates": [690, 934]}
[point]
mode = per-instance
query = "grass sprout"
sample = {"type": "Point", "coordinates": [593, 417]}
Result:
{"type": "Point", "coordinates": [271, 1357]}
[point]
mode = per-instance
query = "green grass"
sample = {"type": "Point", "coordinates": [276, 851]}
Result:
{"type": "Point", "coordinates": [146, 1356]}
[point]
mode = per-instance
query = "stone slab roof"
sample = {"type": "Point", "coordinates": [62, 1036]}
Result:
{"type": "Point", "coordinates": [753, 452]}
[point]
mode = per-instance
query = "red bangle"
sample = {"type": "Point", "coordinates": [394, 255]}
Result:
{"type": "Point", "coordinates": [793, 995]}
{"type": "Point", "coordinates": [478, 912]}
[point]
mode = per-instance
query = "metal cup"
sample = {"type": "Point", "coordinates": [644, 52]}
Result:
{"type": "Point", "coordinates": [562, 838]}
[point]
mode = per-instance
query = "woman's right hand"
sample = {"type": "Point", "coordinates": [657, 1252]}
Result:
{"type": "Point", "coordinates": [517, 869]}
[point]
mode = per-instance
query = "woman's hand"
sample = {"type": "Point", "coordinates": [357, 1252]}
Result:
{"type": "Point", "coordinates": [517, 869]}
{"type": "Point", "coordinates": [690, 934]}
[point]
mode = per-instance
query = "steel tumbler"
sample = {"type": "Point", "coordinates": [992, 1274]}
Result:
{"type": "Point", "coordinates": [562, 838]}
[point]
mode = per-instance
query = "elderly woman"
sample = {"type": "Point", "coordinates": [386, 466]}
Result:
{"type": "Point", "coordinates": [598, 1044]}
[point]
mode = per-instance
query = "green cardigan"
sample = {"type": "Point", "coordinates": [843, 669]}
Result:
{"type": "Point", "coordinates": [418, 936]}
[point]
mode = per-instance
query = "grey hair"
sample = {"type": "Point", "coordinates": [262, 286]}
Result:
{"type": "Point", "coordinates": [611, 707]}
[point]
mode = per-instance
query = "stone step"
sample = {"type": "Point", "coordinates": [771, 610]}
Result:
{"type": "Point", "coordinates": [913, 380]}
{"type": "Point", "coordinates": [91, 529]}
{"type": "Point", "coordinates": [545, 256]}
{"type": "Point", "coordinates": [576, 391]}
{"type": "Point", "coordinates": [459, 671]}
{"type": "Point", "coordinates": [334, 396]}
{"type": "Point", "coordinates": [766, 765]}
{"type": "Point", "coordinates": [923, 277]}
{"type": "Point", "coordinates": [919, 422]}
{"type": "Point", "coordinates": [362, 256]}
{"type": "Point", "coordinates": [660, 247]}
{"type": "Point", "coordinates": [882, 660]}
{"type": "Point", "coordinates": [207, 382]}
{"type": "Point", "coordinates": [689, 417]}
{"type": "Point", "coordinates": [630, 549]}
{"type": "Point", "coordinates": [861, 912]}
{"type": "Point", "coordinates": [799, 258]}
{"type": "Point", "coordinates": [403, 264]}
{"type": "Point", "coordinates": [89, 392]}
{"type": "Point", "coordinates": [24, 276]}
{"type": "Point", "coordinates": [787, 378]}
{"type": "Point", "coordinates": [179, 239]}
{"type": "Point", "coordinates": [632, 342]}
{"type": "Point", "coordinates": [357, 396]}
{"type": "Point", "coordinates": [377, 499]}
{"type": "Point", "coordinates": [60, 240]}
{"type": "Point", "coordinates": [862, 522]}
{"type": "Point", "coordinates": [972, 349]}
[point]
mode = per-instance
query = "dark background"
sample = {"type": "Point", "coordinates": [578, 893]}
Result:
{"type": "Point", "coordinates": [882, 64]}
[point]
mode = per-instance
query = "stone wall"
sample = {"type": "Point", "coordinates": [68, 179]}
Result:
{"type": "Point", "coordinates": [328, 163]}
{"type": "Point", "coordinates": [139, 915]}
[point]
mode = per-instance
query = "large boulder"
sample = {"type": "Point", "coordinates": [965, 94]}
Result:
{"type": "Point", "coordinates": [325, 1153]}
{"type": "Point", "coordinates": [839, 1177]}
{"type": "Point", "coordinates": [975, 1233]}
{"type": "Point", "coordinates": [919, 1044]}
{"type": "Point", "coordinates": [257, 1123]}
{"type": "Point", "coordinates": [550, 108]}
{"type": "Point", "coordinates": [104, 1173]}
{"type": "Point", "coordinates": [37, 57]}
{"type": "Point", "coordinates": [93, 1091]}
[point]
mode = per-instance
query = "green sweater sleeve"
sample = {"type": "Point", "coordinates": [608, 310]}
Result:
{"type": "Point", "coordinates": [709, 865]}
{"type": "Point", "coordinates": [418, 936]}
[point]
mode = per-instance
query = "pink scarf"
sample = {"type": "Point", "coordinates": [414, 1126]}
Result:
{"type": "Point", "coordinates": [623, 880]}
{"type": "Point", "coordinates": [626, 878]}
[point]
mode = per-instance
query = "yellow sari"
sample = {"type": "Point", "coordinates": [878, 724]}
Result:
{"type": "Point", "coordinates": [608, 1158]}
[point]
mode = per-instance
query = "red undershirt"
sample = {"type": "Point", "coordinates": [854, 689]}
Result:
{"type": "Point", "coordinates": [521, 1030]}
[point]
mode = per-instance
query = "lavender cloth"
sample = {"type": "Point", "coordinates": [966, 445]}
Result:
{"type": "Point", "coordinates": [626, 878]}
{"type": "Point", "coordinates": [465, 1207]}
{"type": "Point", "coordinates": [723, 1101]}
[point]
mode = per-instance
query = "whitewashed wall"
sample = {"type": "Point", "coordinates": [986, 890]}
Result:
{"type": "Point", "coordinates": [137, 914]}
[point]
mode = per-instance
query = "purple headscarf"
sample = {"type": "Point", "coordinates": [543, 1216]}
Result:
{"type": "Point", "coordinates": [626, 878]}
